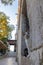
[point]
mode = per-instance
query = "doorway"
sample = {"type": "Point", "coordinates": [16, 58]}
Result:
{"type": "Point", "coordinates": [11, 48]}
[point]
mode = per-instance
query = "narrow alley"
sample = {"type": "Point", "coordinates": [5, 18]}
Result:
{"type": "Point", "coordinates": [21, 32]}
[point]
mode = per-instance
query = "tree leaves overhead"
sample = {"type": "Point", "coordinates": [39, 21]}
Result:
{"type": "Point", "coordinates": [6, 2]}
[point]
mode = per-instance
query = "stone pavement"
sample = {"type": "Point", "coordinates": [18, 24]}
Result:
{"type": "Point", "coordinates": [11, 54]}
{"type": "Point", "coordinates": [8, 61]}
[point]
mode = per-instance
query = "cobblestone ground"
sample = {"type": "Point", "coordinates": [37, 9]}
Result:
{"type": "Point", "coordinates": [8, 61]}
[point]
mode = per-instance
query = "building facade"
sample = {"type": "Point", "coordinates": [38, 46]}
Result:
{"type": "Point", "coordinates": [30, 32]}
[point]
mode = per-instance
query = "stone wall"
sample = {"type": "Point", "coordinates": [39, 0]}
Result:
{"type": "Point", "coordinates": [35, 16]}
{"type": "Point", "coordinates": [35, 23]}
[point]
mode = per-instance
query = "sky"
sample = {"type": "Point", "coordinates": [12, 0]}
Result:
{"type": "Point", "coordinates": [11, 10]}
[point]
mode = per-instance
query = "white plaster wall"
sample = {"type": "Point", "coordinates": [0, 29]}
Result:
{"type": "Point", "coordinates": [19, 47]}
{"type": "Point", "coordinates": [41, 7]}
{"type": "Point", "coordinates": [23, 23]}
{"type": "Point", "coordinates": [34, 15]}
{"type": "Point", "coordinates": [35, 57]}
{"type": "Point", "coordinates": [19, 41]}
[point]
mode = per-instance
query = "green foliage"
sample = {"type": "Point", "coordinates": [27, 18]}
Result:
{"type": "Point", "coordinates": [5, 29]}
